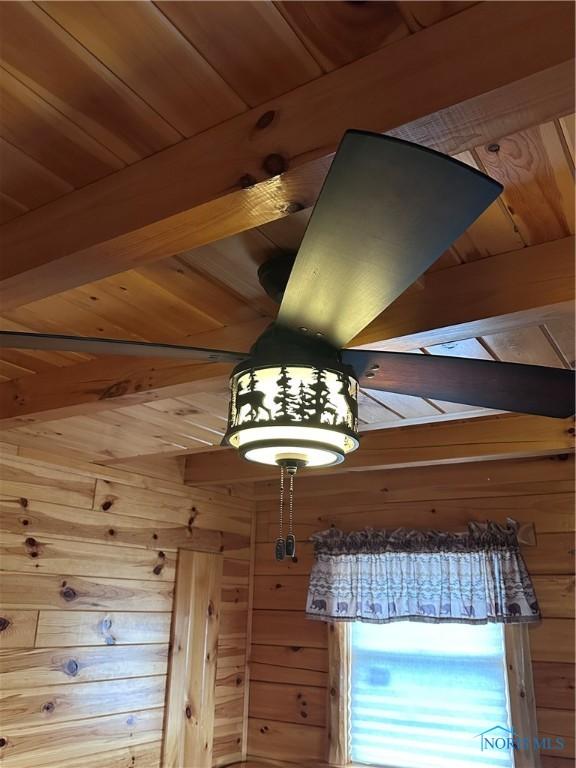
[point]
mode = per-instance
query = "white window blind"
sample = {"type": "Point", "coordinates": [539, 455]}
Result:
{"type": "Point", "coordinates": [422, 693]}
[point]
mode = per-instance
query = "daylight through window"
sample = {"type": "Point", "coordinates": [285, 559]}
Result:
{"type": "Point", "coordinates": [422, 695]}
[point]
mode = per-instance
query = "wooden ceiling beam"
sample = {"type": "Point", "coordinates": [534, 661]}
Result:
{"type": "Point", "coordinates": [478, 298]}
{"type": "Point", "coordinates": [470, 299]}
{"type": "Point", "coordinates": [438, 87]}
{"type": "Point", "coordinates": [454, 442]}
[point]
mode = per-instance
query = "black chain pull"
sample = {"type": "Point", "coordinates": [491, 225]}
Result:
{"type": "Point", "coordinates": [280, 545]}
{"type": "Point", "coordinates": [291, 539]}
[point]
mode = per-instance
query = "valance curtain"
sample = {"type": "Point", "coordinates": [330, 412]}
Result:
{"type": "Point", "coordinates": [380, 576]}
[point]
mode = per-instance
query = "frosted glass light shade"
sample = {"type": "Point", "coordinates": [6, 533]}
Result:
{"type": "Point", "coordinates": [293, 412]}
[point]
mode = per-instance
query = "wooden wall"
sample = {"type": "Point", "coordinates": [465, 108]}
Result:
{"type": "Point", "coordinates": [289, 657]}
{"type": "Point", "coordinates": [88, 557]}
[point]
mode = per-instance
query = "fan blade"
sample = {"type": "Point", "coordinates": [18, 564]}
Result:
{"type": "Point", "coordinates": [96, 346]}
{"type": "Point", "coordinates": [504, 386]}
{"type": "Point", "coordinates": [388, 209]}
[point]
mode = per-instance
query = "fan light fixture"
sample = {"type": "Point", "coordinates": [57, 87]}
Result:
{"type": "Point", "coordinates": [293, 415]}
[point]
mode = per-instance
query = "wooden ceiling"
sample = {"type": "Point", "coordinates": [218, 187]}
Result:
{"type": "Point", "coordinates": [89, 88]}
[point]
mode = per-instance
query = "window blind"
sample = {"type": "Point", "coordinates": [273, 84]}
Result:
{"type": "Point", "coordinates": [421, 695]}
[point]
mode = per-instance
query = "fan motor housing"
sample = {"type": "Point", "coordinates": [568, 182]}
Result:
{"type": "Point", "coordinates": [275, 273]}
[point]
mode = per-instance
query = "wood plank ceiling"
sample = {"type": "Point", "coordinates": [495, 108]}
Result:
{"type": "Point", "coordinates": [90, 87]}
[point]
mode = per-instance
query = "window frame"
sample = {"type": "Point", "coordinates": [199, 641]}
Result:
{"type": "Point", "coordinates": [519, 683]}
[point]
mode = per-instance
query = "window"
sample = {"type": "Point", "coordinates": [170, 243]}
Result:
{"type": "Point", "coordinates": [421, 695]}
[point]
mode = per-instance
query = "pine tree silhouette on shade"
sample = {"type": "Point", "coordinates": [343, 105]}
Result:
{"type": "Point", "coordinates": [284, 399]}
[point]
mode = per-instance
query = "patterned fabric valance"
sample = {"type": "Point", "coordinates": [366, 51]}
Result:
{"type": "Point", "coordinates": [382, 576]}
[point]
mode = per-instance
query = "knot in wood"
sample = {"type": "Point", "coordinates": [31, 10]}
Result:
{"type": "Point", "coordinates": [274, 165]}
{"type": "Point", "coordinates": [3, 742]}
{"type": "Point", "coordinates": [23, 502]}
{"type": "Point", "coordinates": [188, 712]}
{"type": "Point", "coordinates": [157, 570]}
{"type": "Point", "coordinates": [69, 594]}
{"type": "Point", "coordinates": [115, 390]}
{"type": "Point", "coordinates": [48, 707]}
{"type": "Point", "coordinates": [210, 608]}
{"type": "Point", "coordinates": [294, 207]}
{"type": "Point", "coordinates": [246, 181]}
{"type": "Point", "coordinates": [30, 542]}
{"type": "Point", "coordinates": [106, 624]}
{"type": "Point", "coordinates": [265, 119]}
{"type": "Point", "coordinates": [71, 667]}
{"type": "Point", "coordinates": [106, 505]}
{"type": "Point", "coordinates": [4, 623]}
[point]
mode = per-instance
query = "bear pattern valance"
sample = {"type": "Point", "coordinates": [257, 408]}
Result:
{"type": "Point", "coordinates": [380, 576]}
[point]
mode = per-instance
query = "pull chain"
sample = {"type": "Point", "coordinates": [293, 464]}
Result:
{"type": "Point", "coordinates": [291, 539]}
{"type": "Point", "coordinates": [280, 546]}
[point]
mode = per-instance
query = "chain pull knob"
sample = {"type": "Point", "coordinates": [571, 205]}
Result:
{"type": "Point", "coordinates": [280, 548]}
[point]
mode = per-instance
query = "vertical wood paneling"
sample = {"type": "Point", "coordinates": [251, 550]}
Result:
{"type": "Point", "coordinates": [190, 702]}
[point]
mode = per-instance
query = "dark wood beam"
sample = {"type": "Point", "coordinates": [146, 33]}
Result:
{"type": "Point", "coordinates": [453, 442]}
{"type": "Point", "coordinates": [485, 296]}
{"type": "Point", "coordinates": [485, 72]}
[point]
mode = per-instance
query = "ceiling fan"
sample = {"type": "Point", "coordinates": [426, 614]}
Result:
{"type": "Point", "coordinates": [388, 209]}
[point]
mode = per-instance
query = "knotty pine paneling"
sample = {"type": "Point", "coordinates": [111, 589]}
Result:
{"type": "Point", "coordinates": [554, 684]}
{"type": "Point", "coordinates": [88, 558]}
{"type": "Point", "coordinates": [25, 668]}
{"type": "Point", "coordinates": [50, 745]}
{"type": "Point", "coordinates": [142, 755]}
{"type": "Point", "coordinates": [62, 703]}
{"type": "Point", "coordinates": [289, 655]}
